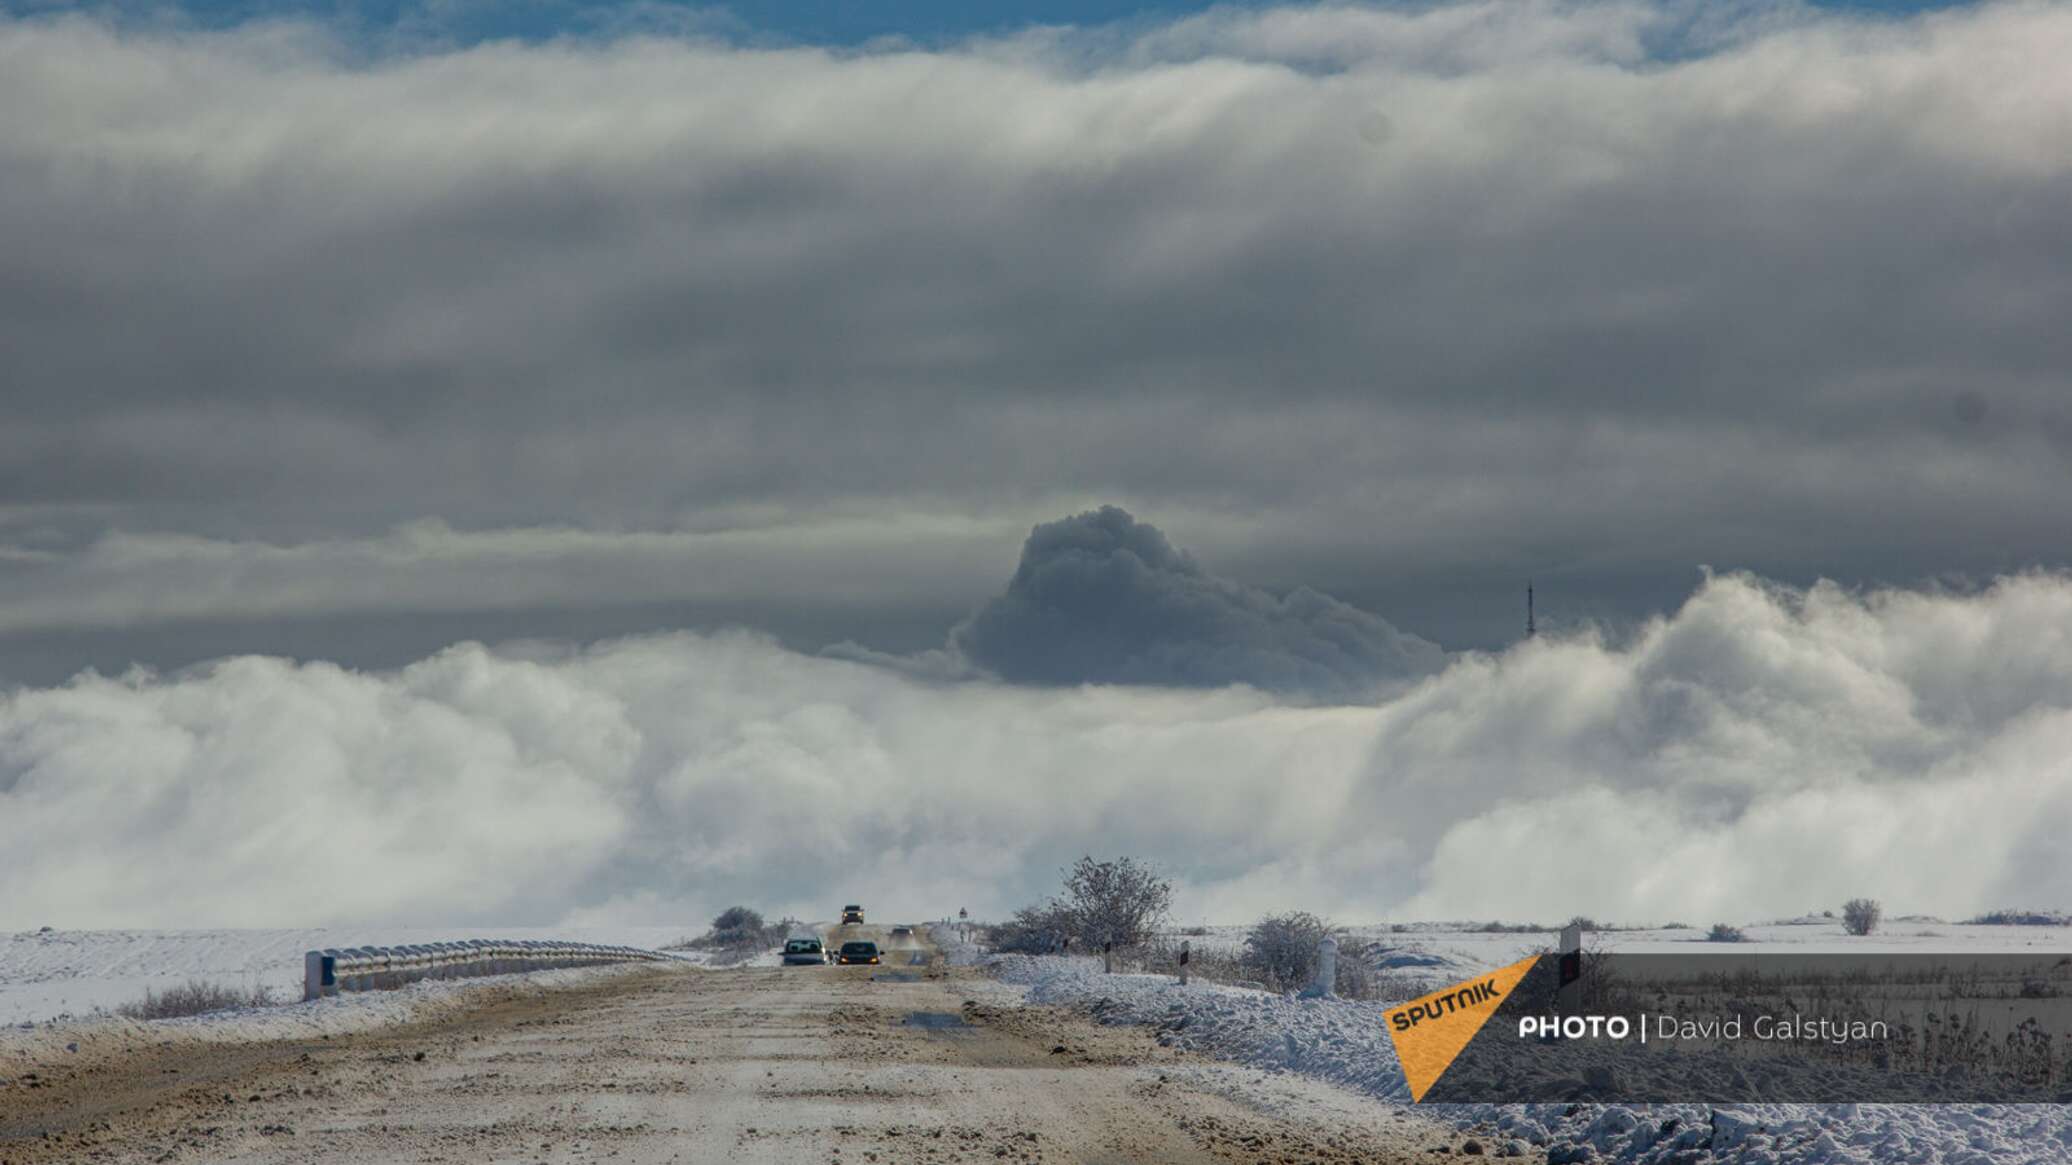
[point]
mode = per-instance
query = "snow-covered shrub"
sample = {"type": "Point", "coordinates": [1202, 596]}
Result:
{"type": "Point", "coordinates": [1123, 902]}
{"type": "Point", "coordinates": [1281, 949]}
{"type": "Point", "coordinates": [738, 926]}
{"type": "Point", "coordinates": [1860, 915]}
{"type": "Point", "coordinates": [1722, 933]}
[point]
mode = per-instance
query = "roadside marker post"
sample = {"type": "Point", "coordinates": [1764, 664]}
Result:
{"type": "Point", "coordinates": [1568, 996]}
{"type": "Point", "coordinates": [1326, 981]}
{"type": "Point", "coordinates": [1184, 952]}
{"type": "Point", "coordinates": [1107, 958]}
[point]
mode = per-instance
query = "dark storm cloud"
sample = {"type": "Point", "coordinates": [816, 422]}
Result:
{"type": "Point", "coordinates": [1103, 598]}
{"type": "Point", "coordinates": [1582, 292]}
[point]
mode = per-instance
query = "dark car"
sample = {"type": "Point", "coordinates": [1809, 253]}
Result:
{"type": "Point", "coordinates": [804, 952]}
{"type": "Point", "coordinates": [856, 952]}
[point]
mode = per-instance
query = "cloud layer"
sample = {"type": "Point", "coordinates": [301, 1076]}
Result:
{"type": "Point", "coordinates": [1103, 598]}
{"type": "Point", "coordinates": [1763, 751]}
{"type": "Point", "coordinates": [1406, 303]}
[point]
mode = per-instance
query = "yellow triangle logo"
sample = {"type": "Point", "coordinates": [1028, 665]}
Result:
{"type": "Point", "coordinates": [1429, 1032]}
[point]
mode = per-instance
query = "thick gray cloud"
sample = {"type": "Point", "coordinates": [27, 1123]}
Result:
{"type": "Point", "coordinates": [1403, 303]}
{"type": "Point", "coordinates": [1103, 598]}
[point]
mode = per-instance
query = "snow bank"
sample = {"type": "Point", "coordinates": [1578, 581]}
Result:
{"type": "Point", "coordinates": [957, 949]}
{"type": "Point", "coordinates": [105, 1035]}
{"type": "Point", "coordinates": [1347, 1043]}
{"type": "Point", "coordinates": [1338, 1040]}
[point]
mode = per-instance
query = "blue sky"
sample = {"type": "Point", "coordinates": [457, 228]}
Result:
{"type": "Point", "coordinates": [841, 22]}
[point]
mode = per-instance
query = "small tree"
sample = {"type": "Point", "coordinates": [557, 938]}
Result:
{"type": "Point", "coordinates": [1860, 915]}
{"type": "Point", "coordinates": [1123, 902]}
{"type": "Point", "coordinates": [1281, 949]}
{"type": "Point", "coordinates": [1722, 933]}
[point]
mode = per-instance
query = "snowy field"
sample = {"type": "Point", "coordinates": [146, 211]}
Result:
{"type": "Point", "coordinates": [1419, 957]}
{"type": "Point", "coordinates": [1472, 949]}
{"type": "Point", "coordinates": [1346, 1042]}
{"type": "Point", "coordinates": [60, 974]}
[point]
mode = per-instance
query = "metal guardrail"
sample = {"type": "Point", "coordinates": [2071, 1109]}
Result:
{"type": "Point", "coordinates": [327, 972]}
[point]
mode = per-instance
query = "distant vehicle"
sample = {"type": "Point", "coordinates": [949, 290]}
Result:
{"type": "Point", "coordinates": [852, 915]}
{"type": "Point", "coordinates": [804, 952]}
{"type": "Point", "coordinates": [902, 932]}
{"type": "Point", "coordinates": [858, 951]}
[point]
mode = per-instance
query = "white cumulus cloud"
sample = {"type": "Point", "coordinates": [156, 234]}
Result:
{"type": "Point", "coordinates": [1762, 750]}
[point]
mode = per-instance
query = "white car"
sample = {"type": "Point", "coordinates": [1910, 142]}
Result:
{"type": "Point", "coordinates": [804, 952]}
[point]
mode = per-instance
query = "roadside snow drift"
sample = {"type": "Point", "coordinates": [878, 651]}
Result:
{"type": "Point", "coordinates": [1347, 1043]}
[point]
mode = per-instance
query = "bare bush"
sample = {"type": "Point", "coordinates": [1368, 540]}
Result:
{"type": "Point", "coordinates": [1032, 930]}
{"type": "Point", "coordinates": [1281, 949]}
{"type": "Point", "coordinates": [1722, 933]}
{"type": "Point", "coordinates": [1358, 978]}
{"type": "Point", "coordinates": [1216, 965]}
{"type": "Point", "coordinates": [2022, 918]}
{"type": "Point", "coordinates": [195, 997]}
{"type": "Point", "coordinates": [1860, 915]}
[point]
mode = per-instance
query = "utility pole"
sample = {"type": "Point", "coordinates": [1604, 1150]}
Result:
{"type": "Point", "coordinates": [1531, 629]}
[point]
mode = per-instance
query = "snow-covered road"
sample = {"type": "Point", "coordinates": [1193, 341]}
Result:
{"type": "Point", "coordinates": [1312, 1066]}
